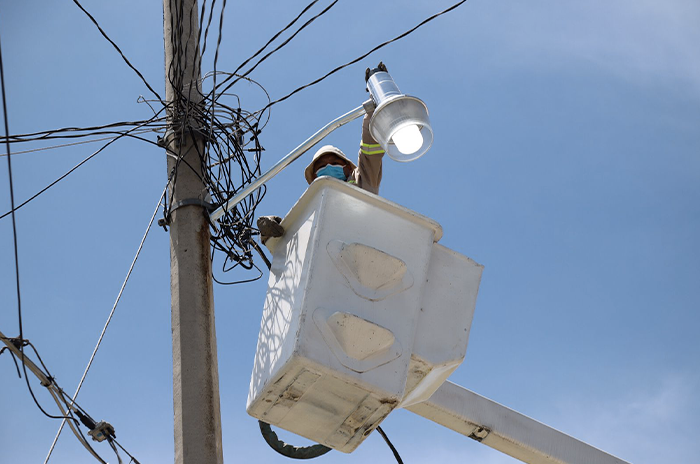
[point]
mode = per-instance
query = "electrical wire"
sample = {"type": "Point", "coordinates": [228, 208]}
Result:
{"type": "Point", "coordinates": [157, 123]}
{"type": "Point", "coordinates": [382, 45]}
{"type": "Point", "coordinates": [14, 238]}
{"type": "Point", "coordinates": [116, 451]}
{"type": "Point", "coordinates": [14, 360]}
{"type": "Point", "coordinates": [126, 60]}
{"type": "Point", "coordinates": [223, 129]}
{"type": "Point", "coordinates": [287, 450]}
{"type": "Point", "coordinates": [231, 143]}
{"type": "Point", "coordinates": [72, 144]}
{"type": "Point", "coordinates": [216, 60]}
{"type": "Point", "coordinates": [109, 318]}
{"type": "Point", "coordinates": [203, 46]}
{"type": "Point", "coordinates": [12, 211]}
{"type": "Point", "coordinates": [133, 459]}
{"type": "Point", "coordinates": [391, 446]}
{"type": "Point", "coordinates": [76, 431]}
{"type": "Point", "coordinates": [289, 39]}
{"type": "Point", "coordinates": [274, 37]}
{"type": "Point", "coordinates": [66, 405]}
{"type": "Point", "coordinates": [12, 193]}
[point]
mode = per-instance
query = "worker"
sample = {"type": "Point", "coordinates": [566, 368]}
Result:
{"type": "Point", "coordinates": [331, 162]}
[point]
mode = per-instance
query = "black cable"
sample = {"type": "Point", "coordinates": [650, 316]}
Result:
{"type": "Point", "coordinates": [216, 60]}
{"type": "Point", "coordinates": [89, 447]}
{"type": "Point", "coordinates": [133, 459]}
{"type": "Point", "coordinates": [425, 21]}
{"type": "Point", "coordinates": [20, 343]}
{"type": "Point", "coordinates": [12, 355]}
{"type": "Point", "coordinates": [41, 361]}
{"type": "Point", "coordinates": [218, 39]}
{"type": "Point", "coordinates": [75, 132]}
{"type": "Point", "coordinates": [116, 451]}
{"type": "Point", "coordinates": [393, 450]}
{"type": "Point", "coordinates": [262, 255]}
{"type": "Point", "coordinates": [274, 37]}
{"type": "Point", "coordinates": [12, 211]}
{"type": "Point", "coordinates": [71, 405]}
{"type": "Point", "coordinates": [12, 202]}
{"type": "Point", "coordinates": [260, 274]}
{"type": "Point", "coordinates": [14, 237]}
{"type": "Point", "coordinates": [290, 451]}
{"type": "Point", "coordinates": [82, 142]}
{"type": "Point", "coordinates": [203, 45]}
{"type": "Point", "coordinates": [219, 132]}
{"type": "Point", "coordinates": [104, 34]}
{"type": "Point", "coordinates": [289, 39]}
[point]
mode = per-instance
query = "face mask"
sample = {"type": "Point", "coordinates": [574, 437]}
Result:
{"type": "Point", "coordinates": [332, 170]}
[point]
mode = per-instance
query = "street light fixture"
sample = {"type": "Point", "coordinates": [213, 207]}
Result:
{"type": "Point", "coordinates": [400, 122]}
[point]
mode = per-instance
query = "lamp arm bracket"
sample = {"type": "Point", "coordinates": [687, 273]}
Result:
{"type": "Point", "coordinates": [291, 156]}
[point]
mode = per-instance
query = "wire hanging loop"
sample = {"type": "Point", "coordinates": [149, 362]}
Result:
{"type": "Point", "coordinates": [287, 450]}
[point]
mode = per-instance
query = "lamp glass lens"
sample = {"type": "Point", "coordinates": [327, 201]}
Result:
{"type": "Point", "coordinates": [408, 139]}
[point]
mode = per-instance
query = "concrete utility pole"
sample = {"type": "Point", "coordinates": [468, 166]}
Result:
{"type": "Point", "coordinates": [195, 365]}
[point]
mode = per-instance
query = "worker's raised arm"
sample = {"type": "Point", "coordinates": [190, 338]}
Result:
{"type": "Point", "coordinates": [368, 174]}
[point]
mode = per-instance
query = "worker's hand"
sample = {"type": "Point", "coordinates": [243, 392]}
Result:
{"type": "Point", "coordinates": [381, 66]}
{"type": "Point", "coordinates": [269, 226]}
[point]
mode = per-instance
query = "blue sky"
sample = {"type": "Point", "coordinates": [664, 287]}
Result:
{"type": "Point", "coordinates": [566, 160]}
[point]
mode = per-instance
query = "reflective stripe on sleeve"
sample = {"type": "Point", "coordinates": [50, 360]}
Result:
{"type": "Point", "coordinates": [371, 148]}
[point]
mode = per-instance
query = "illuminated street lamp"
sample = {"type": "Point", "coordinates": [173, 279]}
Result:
{"type": "Point", "coordinates": [400, 123]}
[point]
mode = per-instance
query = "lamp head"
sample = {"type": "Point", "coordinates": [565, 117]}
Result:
{"type": "Point", "coordinates": [400, 123]}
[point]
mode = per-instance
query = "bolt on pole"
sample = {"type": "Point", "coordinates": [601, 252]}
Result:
{"type": "Point", "coordinates": [195, 365]}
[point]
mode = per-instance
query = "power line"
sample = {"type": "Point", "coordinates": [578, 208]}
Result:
{"type": "Point", "coordinates": [12, 194]}
{"type": "Point", "coordinates": [15, 345]}
{"type": "Point", "coordinates": [274, 37]}
{"type": "Point", "coordinates": [72, 144]}
{"type": "Point", "coordinates": [126, 60]}
{"type": "Point", "coordinates": [391, 446]}
{"type": "Point", "coordinates": [206, 31]}
{"type": "Point", "coordinates": [382, 45]}
{"type": "Point", "coordinates": [67, 406]}
{"type": "Point", "coordinates": [133, 459]}
{"type": "Point", "coordinates": [76, 132]}
{"type": "Point", "coordinates": [216, 58]}
{"type": "Point", "coordinates": [14, 239]}
{"type": "Point", "coordinates": [289, 39]}
{"type": "Point", "coordinates": [124, 134]}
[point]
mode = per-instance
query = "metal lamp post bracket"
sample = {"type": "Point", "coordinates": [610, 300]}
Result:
{"type": "Point", "coordinates": [291, 156]}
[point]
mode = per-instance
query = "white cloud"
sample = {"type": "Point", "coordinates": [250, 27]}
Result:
{"type": "Point", "coordinates": [656, 422]}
